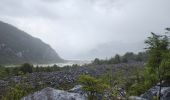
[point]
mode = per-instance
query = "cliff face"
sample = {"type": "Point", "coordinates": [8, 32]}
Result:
{"type": "Point", "coordinates": [18, 47]}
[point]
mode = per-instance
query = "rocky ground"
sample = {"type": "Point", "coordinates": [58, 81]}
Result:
{"type": "Point", "coordinates": [77, 93]}
{"type": "Point", "coordinates": [69, 76]}
{"type": "Point", "coordinates": [60, 78]}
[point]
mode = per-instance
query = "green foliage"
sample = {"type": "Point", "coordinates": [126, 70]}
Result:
{"type": "Point", "coordinates": [165, 67]}
{"type": "Point", "coordinates": [97, 61]}
{"type": "Point", "coordinates": [127, 57]}
{"type": "Point", "coordinates": [26, 68]}
{"type": "Point", "coordinates": [120, 80]}
{"type": "Point", "coordinates": [47, 69]}
{"type": "Point", "coordinates": [92, 86]}
{"type": "Point", "coordinates": [137, 89]}
{"type": "Point", "coordinates": [157, 69]}
{"type": "Point", "coordinates": [17, 92]}
{"type": "Point", "coordinates": [157, 65]}
{"type": "Point", "coordinates": [3, 71]}
{"type": "Point", "coordinates": [158, 48]}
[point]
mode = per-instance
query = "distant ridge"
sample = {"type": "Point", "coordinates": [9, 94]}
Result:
{"type": "Point", "coordinates": [17, 47]}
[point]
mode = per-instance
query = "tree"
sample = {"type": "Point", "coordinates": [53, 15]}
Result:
{"type": "Point", "coordinates": [129, 56]}
{"type": "Point", "coordinates": [165, 69]}
{"type": "Point", "coordinates": [124, 60]}
{"type": "Point", "coordinates": [96, 61]}
{"type": "Point", "coordinates": [142, 56]}
{"type": "Point", "coordinates": [26, 68]}
{"type": "Point", "coordinates": [92, 86]}
{"type": "Point", "coordinates": [157, 47]}
{"type": "Point", "coordinates": [117, 59]}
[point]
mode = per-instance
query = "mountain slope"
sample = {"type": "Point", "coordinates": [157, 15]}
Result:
{"type": "Point", "coordinates": [17, 47]}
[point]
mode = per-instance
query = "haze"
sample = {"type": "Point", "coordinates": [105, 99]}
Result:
{"type": "Point", "coordinates": [85, 29]}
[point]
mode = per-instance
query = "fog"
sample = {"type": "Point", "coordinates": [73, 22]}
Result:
{"type": "Point", "coordinates": [85, 29]}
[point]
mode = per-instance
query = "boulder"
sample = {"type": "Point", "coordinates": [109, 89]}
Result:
{"type": "Point", "coordinates": [53, 94]}
{"type": "Point", "coordinates": [78, 89]}
{"type": "Point", "coordinates": [153, 92]}
{"type": "Point", "coordinates": [135, 98]}
{"type": "Point", "coordinates": [166, 93]}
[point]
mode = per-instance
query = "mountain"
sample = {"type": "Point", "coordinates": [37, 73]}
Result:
{"type": "Point", "coordinates": [18, 47]}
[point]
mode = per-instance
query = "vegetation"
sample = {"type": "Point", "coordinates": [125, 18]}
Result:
{"type": "Point", "coordinates": [26, 68]}
{"type": "Point", "coordinates": [92, 86]}
{"type": "Point", "coordinates": [158, 65]}
{"type": "Point", "coordinates": [127, 57]}
{"type": "Point", "coordinates": [140, 80]}
{"type": "Point", "coordinates": [18, 91]}
{"type": "Point", "coordinates": [158, 57]}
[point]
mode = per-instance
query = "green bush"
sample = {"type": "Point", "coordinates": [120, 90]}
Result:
{"type": "Point", "coordinates": [26, 68]}
{"type": "Point", "coordinates": [92, 86]}
{"type": "Point", "coordinates": [18, 91]}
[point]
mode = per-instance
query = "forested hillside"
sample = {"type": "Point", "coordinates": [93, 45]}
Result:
{"type": "Point", "coordinates": [17, 47]}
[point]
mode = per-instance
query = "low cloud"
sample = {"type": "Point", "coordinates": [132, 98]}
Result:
{"type": "Point", "coordinates": [74, 27]}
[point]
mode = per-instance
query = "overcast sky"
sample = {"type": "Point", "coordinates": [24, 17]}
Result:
{"type": "Point", "coordinates": [75, 27]}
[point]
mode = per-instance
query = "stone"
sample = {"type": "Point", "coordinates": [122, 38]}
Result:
{"type": "Point", "coordinates": [153, 92]}
{"type": "Point", "coordinates": [53, 94]}
{"type": "Point", "coordinates": [77, 89]}
{"type": "Point", "coordinates": [136, 98]}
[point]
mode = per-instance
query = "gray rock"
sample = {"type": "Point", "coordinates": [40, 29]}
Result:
{"type": "Point", "coordinates": [77, 89]}
{"type": "Point", "coordinates": [166, 93]}
{"type": "Point", "coordinates": [53, 94]}
{"type": "Point", "coordinates": [136, 98]}
{"type": "Point", "coordinates": [153, 92]}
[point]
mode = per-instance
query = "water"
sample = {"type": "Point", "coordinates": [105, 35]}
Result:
{"type": "Point", "coordinates": [69, 63]}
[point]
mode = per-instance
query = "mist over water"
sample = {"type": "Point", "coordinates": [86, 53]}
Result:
{"type": "Point", "coordinates": [68, 63]}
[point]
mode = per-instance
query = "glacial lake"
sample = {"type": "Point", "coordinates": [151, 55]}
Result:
{"type": "Point", "coordinates": [69, 63]}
